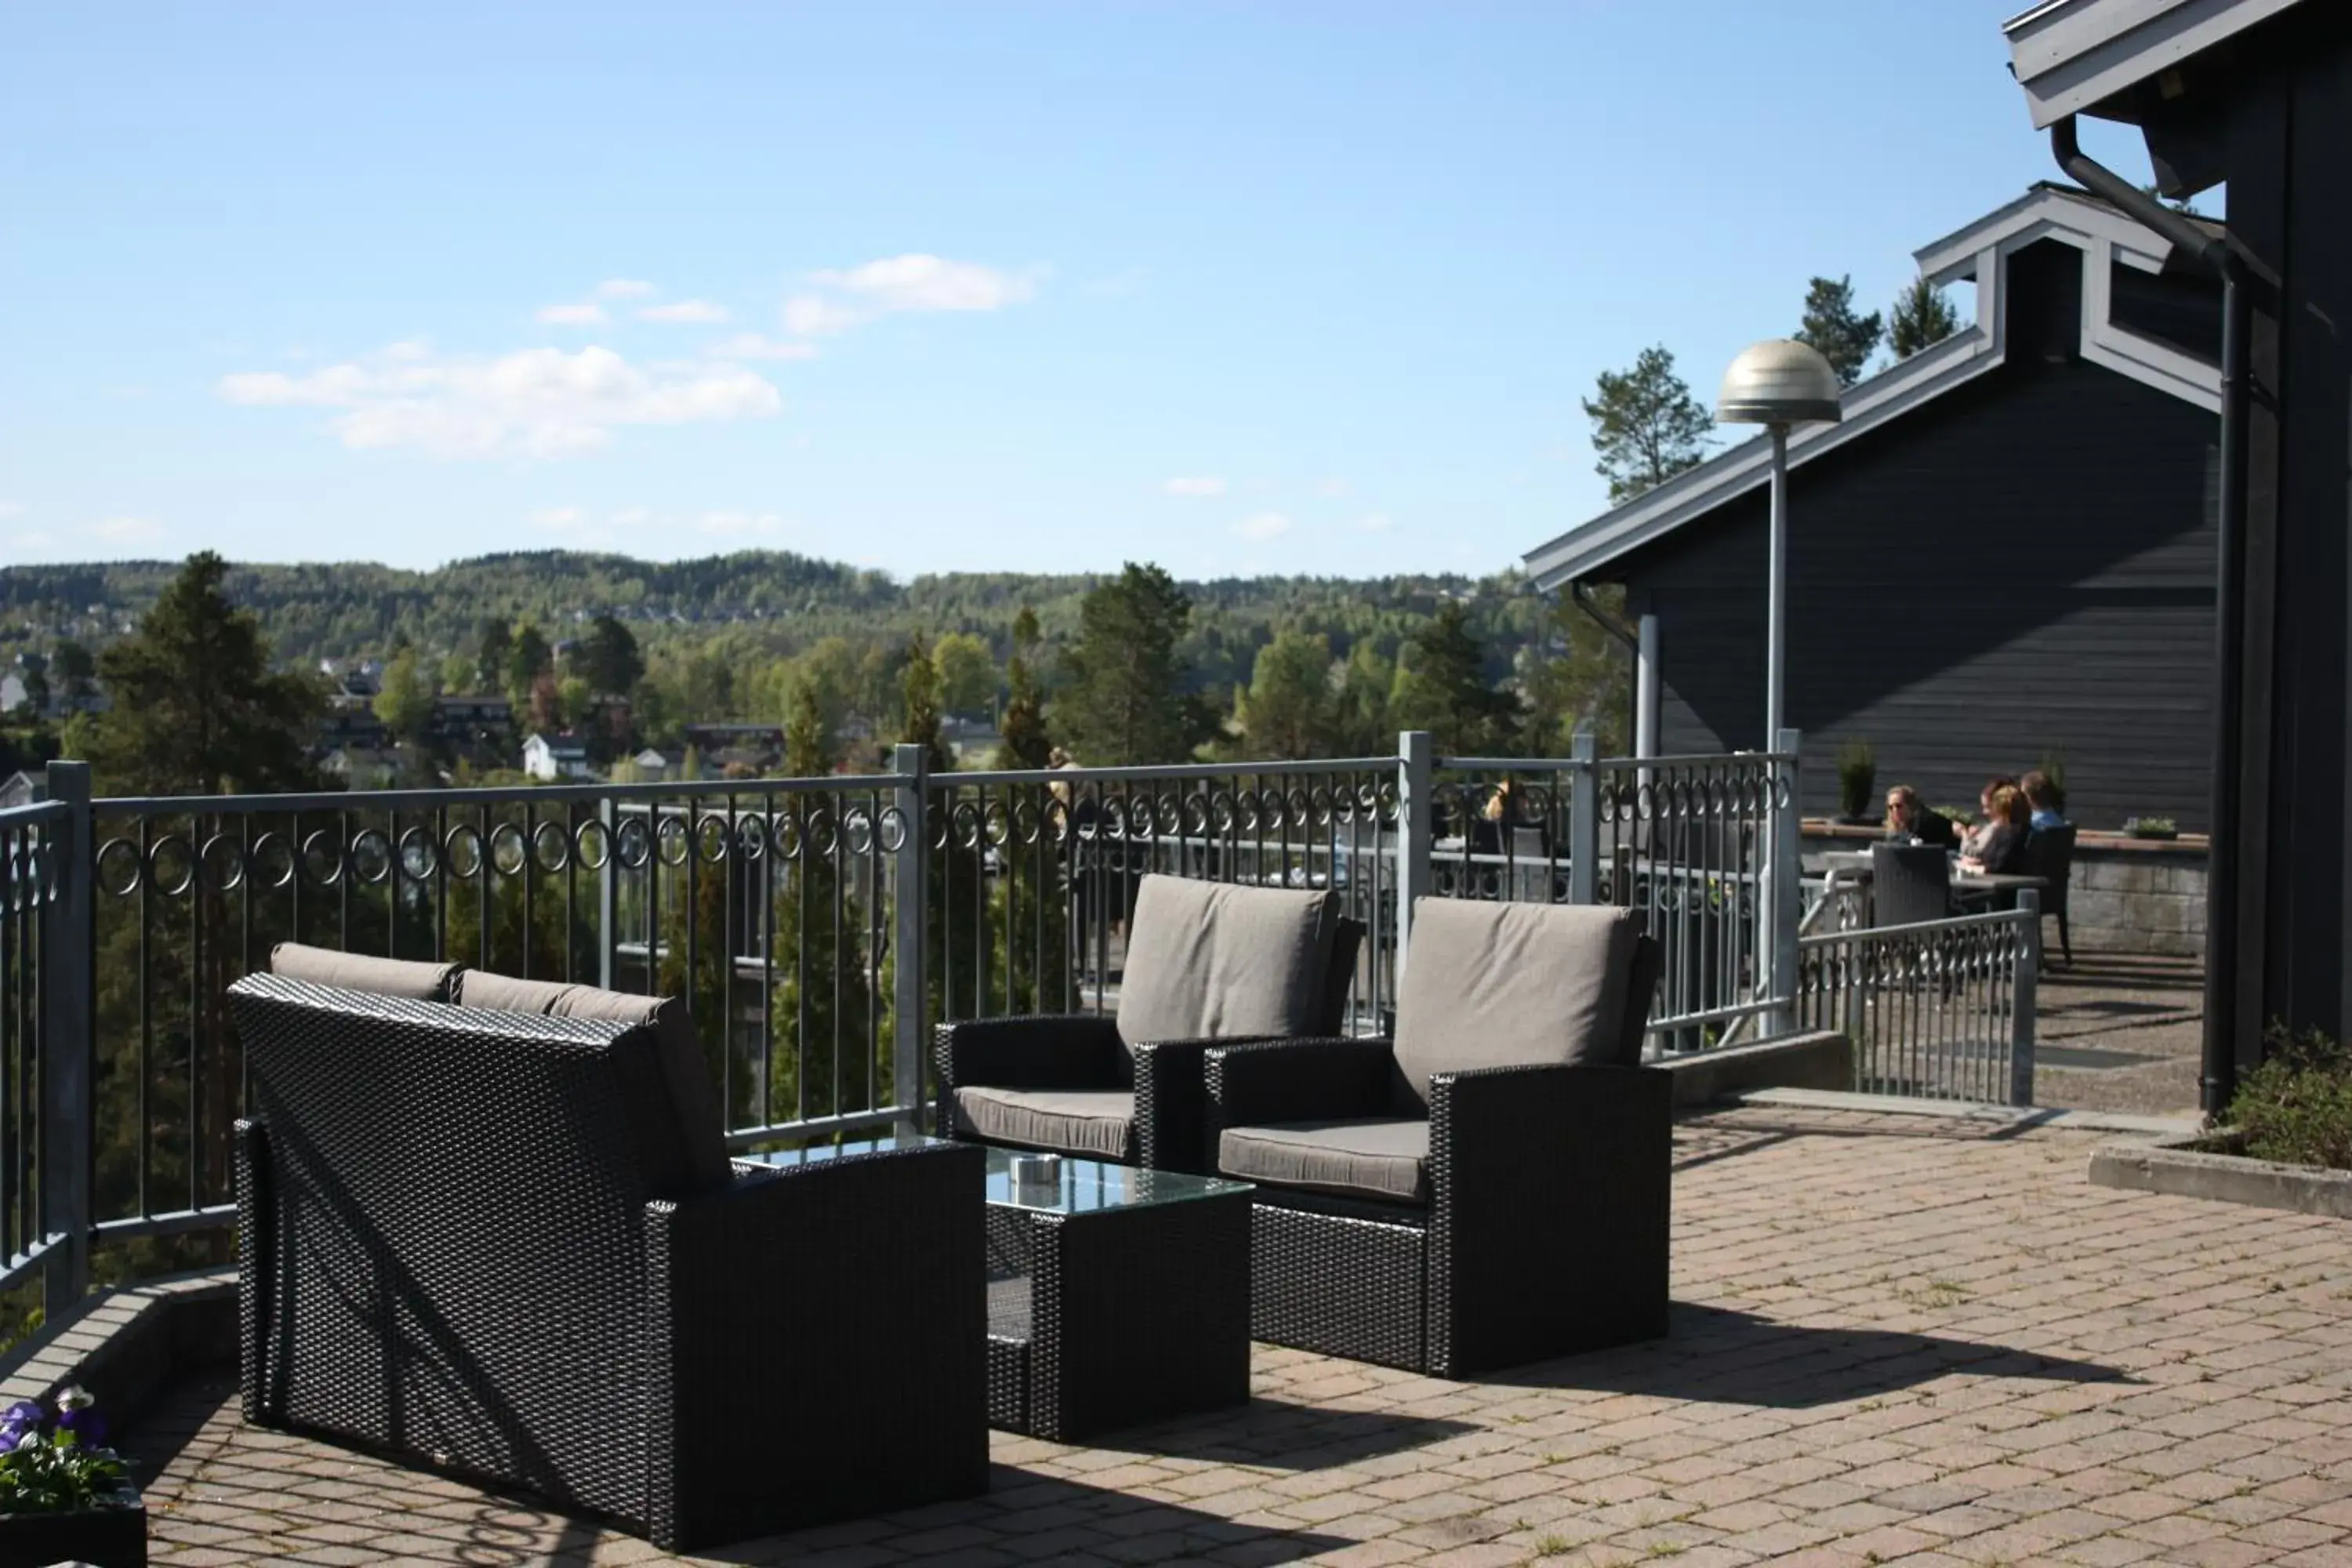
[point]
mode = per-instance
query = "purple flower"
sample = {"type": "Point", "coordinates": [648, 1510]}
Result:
{"type": "Point", "coordinates": [88, 1426]}
{"type": "Point", "coordinates": [20, 1419]}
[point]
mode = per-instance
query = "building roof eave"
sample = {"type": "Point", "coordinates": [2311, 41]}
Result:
{"type": "Point", "coordinates": [2085, 57]}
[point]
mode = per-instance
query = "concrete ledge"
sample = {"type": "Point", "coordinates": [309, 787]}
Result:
{"type": "Point", "coordinates": [126, 1346]}
{"type": "Point", "coordinates": [2176, 1167]}
{"type": "Point", "coordinates": [1822, 1060]}
{"type": "Point", "coordinates": [2022, 1117]}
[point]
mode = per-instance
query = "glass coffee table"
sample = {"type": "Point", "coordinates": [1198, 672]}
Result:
{"type": "Point", "coordinates": [1116, 1294]}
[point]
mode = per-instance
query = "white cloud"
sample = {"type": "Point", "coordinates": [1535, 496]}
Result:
{"type": "Point", "coordinates": [559, 517]}
{"type": "Point", "coordinates": [623, 288]}
{"type": "Point", "coordinates": [33, 541]}
{"type": "Point", "coordinates": [687, 311]}
{"type": "Point", "coordinates": [915, 283]}
{"type": "Point", "coordinates": [751, 345]}
{"type": "Point", "coordinates": [1263, 526]}
{"type": "Point", "coordinates": [541, 402]}
{"type": "Point", "coordinates": [127, 531]}
{"type": "Point", "coordinates": [1375, 522]}
{"type": "Point", "coordinates": [9, 509]}
{"type": "Point", "coordinates": [1331, 489]}
{"type": "Point", "coordinates": [571, 315]}
{"type": "Point", "coordinates": [1206, 485]}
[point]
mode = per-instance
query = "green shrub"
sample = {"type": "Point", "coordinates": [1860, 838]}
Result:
{"type": "Point", "coordinates": [2296, 1108]}
{"type": "Point", "coordinates": [2151, 827]}
{"type": "Point", "coordinates": [1857, 778]}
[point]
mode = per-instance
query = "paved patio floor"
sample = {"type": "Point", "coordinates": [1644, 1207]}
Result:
{"type": "Point", "coordinates": [1895, 1340]}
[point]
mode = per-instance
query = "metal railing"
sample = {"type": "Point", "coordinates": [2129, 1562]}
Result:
{"type": "Point", "coordinates": [1941, 1010]}
{"type": "Point", "coordinates": [817, 926]}
{"type": "Point", "coordinates": [1690, 841]}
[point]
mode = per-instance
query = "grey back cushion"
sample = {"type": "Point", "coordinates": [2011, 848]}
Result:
{"type": "Point", "coordinates": [1211, 961]}
{"type": "Point", "coordinates": [687, 1130]}
{"type": "Point", "coordinates": [407, 979]}
{"type": "Point", "coordinates": [1493, 985]}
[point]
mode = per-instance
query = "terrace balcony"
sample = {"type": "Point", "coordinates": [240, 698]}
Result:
{"type": "Point", "coordinates": [1894, 1334]}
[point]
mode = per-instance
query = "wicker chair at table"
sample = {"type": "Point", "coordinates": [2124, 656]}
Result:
{"type": "Point", "coordinates": [1490, 1188]}
{"type": "Point", "coordinates": [2050, 855]}
{"type": "Point", "coordinates": [511, 1246]}
{"type": "Point", "coordinates": [1910, 884]}
{"type": "Point", "coordinates": [1207, 963]}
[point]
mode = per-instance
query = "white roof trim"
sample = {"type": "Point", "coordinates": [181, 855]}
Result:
{"type": "Point", "coordinates": [1978, 253]}
{"type": "Point", "coordinates": [2071, 56]}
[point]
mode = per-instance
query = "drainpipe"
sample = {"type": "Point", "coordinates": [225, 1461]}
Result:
{"type": "Point", "coordinates": [2221, 872]}
{"type": "Point", "coordinates": [1581, 592]}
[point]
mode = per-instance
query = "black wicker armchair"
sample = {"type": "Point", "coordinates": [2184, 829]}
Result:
{"type": "Point", "coordinates": [486, 1242]}
{"type": "Point", "coordinates": [1490, 1188]}
{"type": "Point", "coordinates": [1207, 963]}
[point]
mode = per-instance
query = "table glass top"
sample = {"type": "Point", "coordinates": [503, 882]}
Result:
{"type": "Point", "coordinates": [1073, 1186]}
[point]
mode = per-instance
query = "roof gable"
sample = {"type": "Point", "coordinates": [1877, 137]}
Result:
{"type": "Point", "coordinates": [2072, 56]}
{"type": "Point", "coordinates": [1978, 254]}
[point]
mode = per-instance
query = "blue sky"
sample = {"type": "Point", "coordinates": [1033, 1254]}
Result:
{"type": "Point", "coordinates": [1283, 287]}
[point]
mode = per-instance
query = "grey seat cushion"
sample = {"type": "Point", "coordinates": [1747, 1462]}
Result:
{"type": "Point", "coordinates": [1096, 1124]}
{"type": "Point", "coordinates": [1211, 961]}
{"type": "Point", "coordinates": [408, 979]}
{"type": "Point", "coordinates": [1386, 1158]}
{"type": "Point", "coordinates": [1490, 985]}
{"type": "Point", "coordinates": [694, 1144]}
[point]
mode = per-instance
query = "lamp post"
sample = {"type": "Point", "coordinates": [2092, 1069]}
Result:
{"type": "Point", "coordinates": [1777, 384]}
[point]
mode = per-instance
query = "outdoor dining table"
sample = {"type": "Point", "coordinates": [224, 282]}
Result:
{"type": "Point", "coordinates": [1848, 867]}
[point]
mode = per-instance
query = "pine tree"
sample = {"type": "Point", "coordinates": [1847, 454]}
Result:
{"type": "Point", "coordinates": [1829, 325]}
{"type": "Point", "coordinates": [1444, 689]}
{"type": "Point", "coordinates": [1288, 711]}
{"type": "Point", "coordinates": [495, 647]}
{"type": "Point", "coordinates": [821, 1020]}
{"type": "Point", "coordinates": [1123, 700]}
{"type": "Point", "coordinates": [608, 659]}
{"type": "Point", "coordinates": [1922, 317]}
{"type": "Point", "coordinates": [1025, 742]}
{"type": "Point", "coordinates": [197, 709]}
{"type": "Point", "coordinates": [1646, 425]}
{"type": "Point", "coordinates": [1576, 674]}
{"type": "Point", "coordinates": [405, 702]}
{"type": "Point", "coordinates": [528, 659]}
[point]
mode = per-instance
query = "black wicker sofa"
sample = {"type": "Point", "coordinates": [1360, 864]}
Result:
{"type": "Point", "coordinates": [506, 1241]}
{"type": "Point", "coordinates": [1490, 1188]}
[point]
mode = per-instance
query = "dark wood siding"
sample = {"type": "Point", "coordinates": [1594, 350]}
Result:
{"type": "Point", "coordinates": [2019, 568]}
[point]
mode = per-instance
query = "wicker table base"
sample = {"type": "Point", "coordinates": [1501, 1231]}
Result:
{"type": "Point", "coordinates": [1108, 1317]}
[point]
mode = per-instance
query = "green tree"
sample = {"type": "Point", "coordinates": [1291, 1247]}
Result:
{"type": "Point", "coordinates": [967, 673]}
{"type": "Point", "coordinates": [1646, 425]}
{"type": "Point", "coordinates": [1026, 742]}
{"type": "Point", "coordinates": [494, 646]}
{"type": "Point", "coordinates": [822, 1014]}
{"type": "Point", "coordinates": [1922, 317]}
{"type": "Point", "coordinates": [406, 701]}
{"type": "Point", "coordinates": [1290, 710]}
{"type": "Point", "coordinates": [529, 657]}
{"type": "Point", "coordinates": [1443, 689]}
{"type": "Point", "coordinates": [1364, 725]}
{"type": "Point", "coordinates": [1575, 673]}
{"type": "Point", "coordinates": [1123, 698]}
{"type": "Point", "coordinates": [458, 674]}
{"type": "Point", "coordinates": [607, 659]}
{"type": "Point", "coordinates": [1830, 324]}
{"type": "Point", "coordinates": [73, 671]}
{"type": "Point", "coordinates": [919, 704]}
{"type": "Point", "coordinates": [195, 709]}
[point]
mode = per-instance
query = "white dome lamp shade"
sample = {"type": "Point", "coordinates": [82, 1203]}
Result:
{"type": "Point", "coordinates": [1777, 384]}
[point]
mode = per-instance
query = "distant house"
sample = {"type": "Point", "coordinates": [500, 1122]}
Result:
{"type": "Point", "coordinates": [351, 724]}
{"type": "Point", "coordinates": [361, 767]}
{"type": "Point", "coordinates": [970, 738]}
{"type": "Point", "coordinates": [22, 789]}
{"type": "Point", "coordinates": [652, 767]}
{"type": "Point", "coordinates": [556, 758]}
{"type": "Point", "coordinates": [361, 678]}
{"type": "Point", "coordinates": [2004, 551]}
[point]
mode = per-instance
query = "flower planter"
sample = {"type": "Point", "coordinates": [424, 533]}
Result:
{"type": "Point", "coordinates": [113, 1537]}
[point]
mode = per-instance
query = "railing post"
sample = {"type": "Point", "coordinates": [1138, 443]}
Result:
{"type": "Point", "coordinates": [909, 930]}
{"type": "Point", "coordinates": [1786, 881]}
{"type": "Point", "coordinates": [2023, 1000]}
{"type": "Point", "coordinates": [1584, 818]}
{"type": "Point", "coordinates": [68, 1044]}
{"type": "Point", "coordinates": [1416, 800]}
{"type": "Point", "coordinates": [607, 898]}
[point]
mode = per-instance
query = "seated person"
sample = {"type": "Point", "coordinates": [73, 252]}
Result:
{"type": "Point", "coordinates": [2042, 798]}
{"type": "Point", "coordinates": [1999, 849]}
{"type": "Point", "coordinates": [1972, 838]}
{"type": "Point", "coordinates": [1907, 816]}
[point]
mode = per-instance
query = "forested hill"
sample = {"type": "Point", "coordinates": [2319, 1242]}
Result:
{"type": "Point", "coordinates": [763, 601]}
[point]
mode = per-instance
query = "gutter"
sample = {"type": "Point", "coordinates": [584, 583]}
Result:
{"type": "Point", "coordinates": [1581, 592]}
{"type": "Point", "coordinates": [2218, 1078]}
